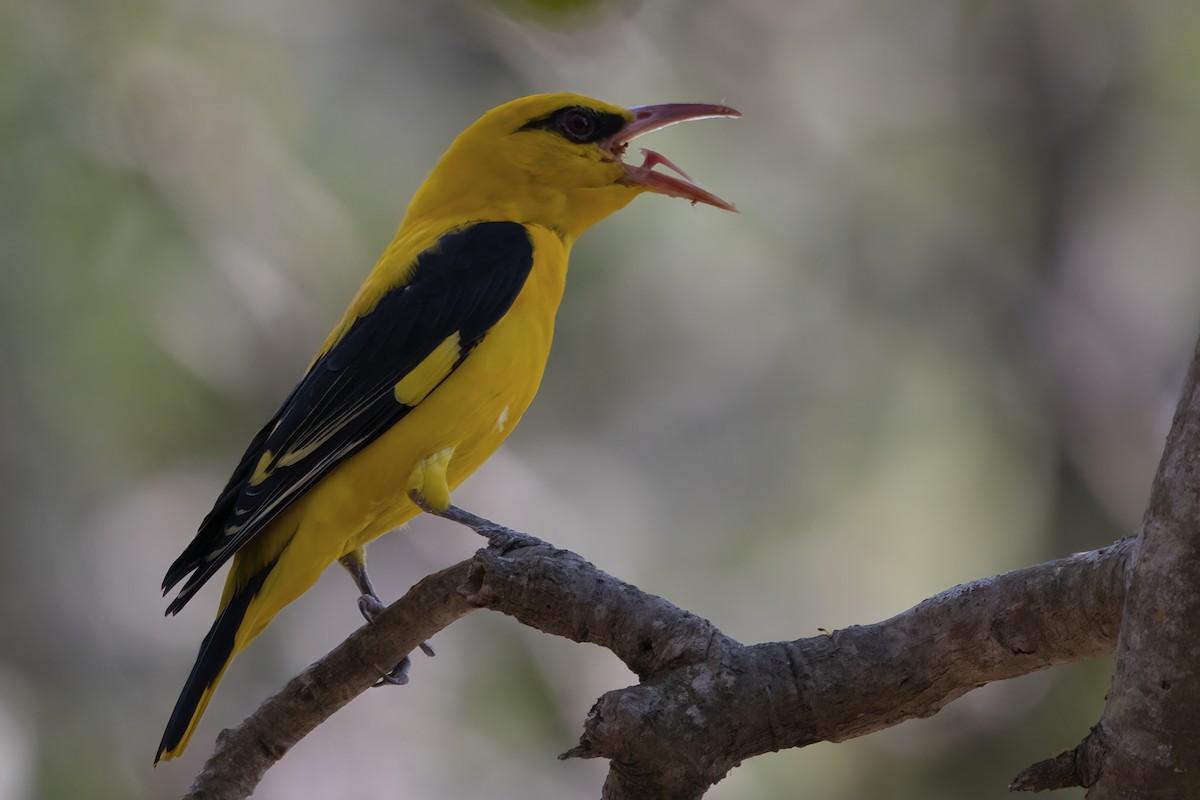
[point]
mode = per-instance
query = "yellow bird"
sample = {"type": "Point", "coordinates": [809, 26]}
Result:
{"type": "Point", "coordinates": [435, 361]}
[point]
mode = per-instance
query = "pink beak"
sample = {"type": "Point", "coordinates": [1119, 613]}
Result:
{"type": "Point", "coordinates": [652, 118]}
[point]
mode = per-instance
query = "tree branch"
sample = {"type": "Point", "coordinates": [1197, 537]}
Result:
{"type": "Point", "coordinates": [706, 702]}
{"type": "Point", "coordinates": [244, 754]}
{"type": "Point", "coordinates": [681, 731]}
{"type": "Point", "coordinates": [1147, 742]}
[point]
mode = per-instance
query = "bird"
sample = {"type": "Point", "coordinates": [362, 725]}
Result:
{"type": "Point", "coordinates": [430, 368]}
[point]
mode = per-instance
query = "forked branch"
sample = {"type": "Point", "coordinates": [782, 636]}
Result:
{"type": "Point", "coordinates": [705, 701]}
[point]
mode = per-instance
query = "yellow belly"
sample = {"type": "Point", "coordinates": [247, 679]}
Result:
{"type": "Point", "coordinates": [472, 411]}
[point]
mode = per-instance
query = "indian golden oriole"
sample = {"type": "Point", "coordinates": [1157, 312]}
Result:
{"type": "Point", "coordinates": [435, 361]}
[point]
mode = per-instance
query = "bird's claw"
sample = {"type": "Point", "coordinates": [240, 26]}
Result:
{"type": "Point", "coordinates": [505, 540]}
{"type": "Point", "coordinates": [397, 676]}
{"type": "Point", "coordinates": [370, 606]}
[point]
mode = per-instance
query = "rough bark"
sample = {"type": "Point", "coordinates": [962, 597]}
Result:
{"type": "Point", "coordinates": [706, 702]}
{"type": "Point", "coordinates": [244, 754]}
{"type": "Point", "coordinates": [1147, 742]}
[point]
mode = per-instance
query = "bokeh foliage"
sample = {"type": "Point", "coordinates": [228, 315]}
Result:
{"type": "Point", "coordinates": [941, 341]}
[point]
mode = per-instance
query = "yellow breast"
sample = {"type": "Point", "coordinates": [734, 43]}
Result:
{"type": "Point", "coordinates": [472, 412]}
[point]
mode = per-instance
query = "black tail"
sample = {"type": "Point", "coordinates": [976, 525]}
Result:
{"type": "Point", "coordinates": [215, 652]}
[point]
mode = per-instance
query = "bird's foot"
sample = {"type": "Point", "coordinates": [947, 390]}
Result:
{"type": "Point", "coordinates": [501, 538]}
{"type": "Point", "coordinates": [371, 607]}
{"type": "Point", "coordinates": [397, 676]}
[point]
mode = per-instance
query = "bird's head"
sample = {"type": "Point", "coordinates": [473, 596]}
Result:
{"type": "Point", "coordinates": [557, 160]}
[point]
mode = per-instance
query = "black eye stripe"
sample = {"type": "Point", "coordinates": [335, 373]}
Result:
{"type": "Point", "coordinates": [563, 123]}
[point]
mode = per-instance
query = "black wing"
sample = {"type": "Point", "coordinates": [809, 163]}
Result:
{"type": "Point", "coordinates": [463, 285]}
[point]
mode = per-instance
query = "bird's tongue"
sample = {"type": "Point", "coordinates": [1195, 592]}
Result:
{"type": "Point", "coordinates": [652, 118]}
{"type": "Point", "coordinates": [661, 182]}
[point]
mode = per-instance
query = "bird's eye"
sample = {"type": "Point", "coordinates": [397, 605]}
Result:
{"type": "Point", "coordinates": [577, 125]}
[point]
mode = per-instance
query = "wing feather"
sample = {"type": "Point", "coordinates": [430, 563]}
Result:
{"type": "Point", "coordinates": [459, 288]}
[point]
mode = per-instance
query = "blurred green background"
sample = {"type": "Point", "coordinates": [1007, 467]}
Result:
{"type": "Point", "coordinates": [941, 340]}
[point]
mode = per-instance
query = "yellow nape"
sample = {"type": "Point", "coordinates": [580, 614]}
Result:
{"type": "Point", "coordinates": [500, 169]}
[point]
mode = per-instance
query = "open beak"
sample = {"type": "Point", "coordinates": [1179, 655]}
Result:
{"type": "Point", "coordinates": [652, 118]}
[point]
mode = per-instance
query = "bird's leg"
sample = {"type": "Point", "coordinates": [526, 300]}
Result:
{"type": "Point", "coordinates": [430, 491]}
{"type": "Point", "coordinates": [370, 606]}
{"type": "Point", "coordinates": [369, 602]}
{"type": "Point", "coordinates": [500, 537]}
